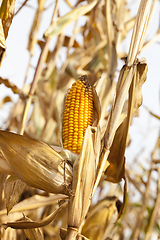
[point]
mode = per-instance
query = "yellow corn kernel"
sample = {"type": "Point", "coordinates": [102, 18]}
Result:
{"type": "Point", "coordinates": [78, 114]}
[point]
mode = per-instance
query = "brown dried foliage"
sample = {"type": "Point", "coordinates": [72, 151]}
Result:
{"type": "Point", "coordinates": [52, 186]}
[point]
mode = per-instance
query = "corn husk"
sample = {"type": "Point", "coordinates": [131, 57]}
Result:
{"type": "Point", "coordinates": [101, 218]}
{"type": "Point", "coordinates": [36, 163]}
{"type": "Point", "coordinates": [4, 166]}
{"type": "Point", "coordinates": [84, 173]}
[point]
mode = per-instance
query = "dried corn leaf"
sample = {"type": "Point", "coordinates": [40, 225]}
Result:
{"type": "Point", "coordinates": [67, 41]}
{"type": "Point", "coordinates": [13, 87]}
{"type": "Point", "coordinates": [27, 223]}
{"type": "Point", "coordinates": [12, 190]}
{"type": "Point", "coordinates": [111, 33]}
{"type": "Point", "coordinates": [2, 43]}
{"type": "Point", "coordinates": [5, 100]}
{"type": "Point", "coordinates": [36, 163]}
{"type": "Point", "coordinates": [6, 14]}
{"type": "Point", "coordinates": [62, 22]}
{"type": "Point", "coordinates": [154, 115]}
{"type": "Point", "coordinates": [126, 75]}
{"type": "Point", "coordinates": [35, 27]}
{"type": "Point", "coordinates": [115, 172]}
{"type": "Point", "coordinates": [34, 202]}
{"type": "Point", "coordinates": [141, 75]}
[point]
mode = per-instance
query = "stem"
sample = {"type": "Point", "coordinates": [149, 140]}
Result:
{"type": "Point", "coordinates": [37, 74]}
{"type": "Point", "coordinates": [71, 233]}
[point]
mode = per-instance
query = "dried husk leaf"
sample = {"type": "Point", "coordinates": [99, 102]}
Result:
{"type": "Point", "coordinates": [84, 171]}
{"type": "Point", "coordinates": [97, 136]}
{"type": "Point", "coordinates": [66, 154]}
{"type": "Point", "coordinates": [12, 190]}
{"type": "Point", "coordinates": [36, 163]}
{"type": "Point", "coordinates": [105, 96]}
{"type": "Point", "coordinates": [124, 81]}
{"type": "Point", "coordinates": [96, 109]}
{"type": "Point", "coordinates": [101, 219]}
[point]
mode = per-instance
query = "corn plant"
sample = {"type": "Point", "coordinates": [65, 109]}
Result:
{"type": "Point", "coordinates": [64, 141]}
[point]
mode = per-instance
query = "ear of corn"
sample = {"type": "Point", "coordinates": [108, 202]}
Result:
{"type": "Point", "coordinates": [78, 114]}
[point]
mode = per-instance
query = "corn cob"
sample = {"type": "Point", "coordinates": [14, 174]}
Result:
{"type": "Point", "coordinates": [78, 114]}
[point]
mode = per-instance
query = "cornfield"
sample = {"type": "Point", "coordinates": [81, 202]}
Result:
{"type": "Point", "coordinates": [67, 168]}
